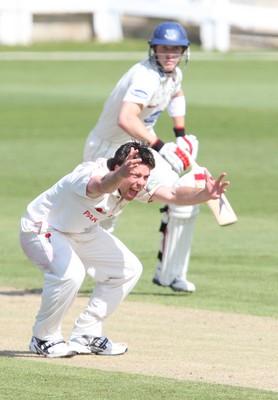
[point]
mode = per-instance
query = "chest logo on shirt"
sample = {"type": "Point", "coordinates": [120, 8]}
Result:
{"type": "Point", "coordinates": [139, 93]}
{"type": "Point", "coordinates": [90, 216]}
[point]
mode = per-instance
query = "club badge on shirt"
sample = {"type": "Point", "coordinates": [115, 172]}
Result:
{"type": "Point", "coordinates": [152, 185]}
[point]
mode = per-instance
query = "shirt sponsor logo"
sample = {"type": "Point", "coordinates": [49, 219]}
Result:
{"type": "Point", "coordinates": [152, 118]}
{"type": "Point", "coordinates": [90, 216]}
{"type": "Point", "coordinates": [139, 93]}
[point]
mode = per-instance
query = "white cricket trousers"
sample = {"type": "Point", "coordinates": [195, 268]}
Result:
{"type": "Point", "coordinates": [65, 259]}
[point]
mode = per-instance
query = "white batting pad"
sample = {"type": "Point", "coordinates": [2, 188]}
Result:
{"type": "Point", "coordinates": [177, 244]}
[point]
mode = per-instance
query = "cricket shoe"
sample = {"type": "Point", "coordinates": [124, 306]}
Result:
{"type": "Point", "coordinates": [50, 349]}
{"type": "Point", "coordinates": [181, 285]}
{"type": "Point", "coordinates": [96, 345]}
{"type": "Point", "coordinates": [178, 285]}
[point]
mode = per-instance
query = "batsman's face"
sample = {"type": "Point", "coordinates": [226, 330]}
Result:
{"type": "Point", "coordinates": [168, 56]}
{"type": "Point", "coordinates": [131, 186]}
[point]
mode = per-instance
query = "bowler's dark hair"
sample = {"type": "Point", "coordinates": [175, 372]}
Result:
{"type": "Point", "coordinates": [123, 151]}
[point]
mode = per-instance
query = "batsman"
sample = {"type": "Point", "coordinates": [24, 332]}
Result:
{"type": "Point", "coordinates": [131, 111]}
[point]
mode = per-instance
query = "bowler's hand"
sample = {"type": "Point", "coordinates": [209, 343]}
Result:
{"type": "Point", "coordinates": [129, 164]}
{"type": "Point", "coordinates": [215, 187]}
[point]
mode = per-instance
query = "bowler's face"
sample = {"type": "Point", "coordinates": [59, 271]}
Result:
{"type": "Point", "coordinates": [131, 186]}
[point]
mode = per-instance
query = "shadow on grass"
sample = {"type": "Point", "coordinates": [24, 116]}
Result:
{"type": "Point", "coordinates": [16, 353]}
{"type": "Point", "coordinates": [173, 294]}
{"type": "Point", "coordinates": [20, 292]}
{"type": "Point", "coordinates": [88, 293]}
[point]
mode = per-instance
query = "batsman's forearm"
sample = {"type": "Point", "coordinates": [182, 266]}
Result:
{"type": "Point", "coordinates": [139, 132]}
{"type": "Point", "coordinates": [135, 128]}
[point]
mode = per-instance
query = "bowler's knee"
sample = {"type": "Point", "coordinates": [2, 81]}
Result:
{"type": "Point", "coordinates": [134, 268]}
{"type": "Point", "coordinates": [74, 278]}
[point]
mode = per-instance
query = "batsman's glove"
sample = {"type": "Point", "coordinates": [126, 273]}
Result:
{"type": "Point", "coordinates": [186, 142]}
{"type": "Point", "coordinates": [173, 155]}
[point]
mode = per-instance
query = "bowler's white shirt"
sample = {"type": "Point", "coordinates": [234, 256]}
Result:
{"type": "Point", "coordinates": [67, 208]}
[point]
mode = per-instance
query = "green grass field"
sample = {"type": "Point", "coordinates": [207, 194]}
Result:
{"type": "Point", "coordinates": [47, 108]}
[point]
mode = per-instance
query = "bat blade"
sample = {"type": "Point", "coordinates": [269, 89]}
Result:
{"type": "Point", "coordinates": [220, 208]}
{"type": "Point", "coordinates": [222, 211]}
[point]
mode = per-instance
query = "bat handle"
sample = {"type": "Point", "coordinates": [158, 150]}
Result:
{"type": "Point", "coordinates": [191, 160]}
{"type": "Point", "coordinates": [200, 181]}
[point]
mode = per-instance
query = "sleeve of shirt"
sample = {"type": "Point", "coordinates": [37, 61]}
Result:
{"type": "Point", "coordinates": [83, 173]}
{"type": "Point", "coordinates": [151, 187]}
{"type": "Point", "coordinates": [141, 89]}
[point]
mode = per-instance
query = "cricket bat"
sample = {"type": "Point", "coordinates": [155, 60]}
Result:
{"type": "Point", "coordinates": [222, 211]}
{"type": "Point", "coordinates": [220, 208]}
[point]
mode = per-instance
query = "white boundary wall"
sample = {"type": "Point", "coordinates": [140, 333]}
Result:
{"type": "Point", "coordinates": [214, 17]}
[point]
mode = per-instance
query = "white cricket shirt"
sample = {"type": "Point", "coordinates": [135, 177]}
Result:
{"type": "Point", "coordinates": [66, 207]}
{"type": "Point", "coordinates": [145, 84]}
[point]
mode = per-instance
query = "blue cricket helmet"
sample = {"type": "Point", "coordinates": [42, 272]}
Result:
{"type": "Point", "coordinates": [169, 34]}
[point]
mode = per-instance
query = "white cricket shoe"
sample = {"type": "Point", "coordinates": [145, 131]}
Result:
{"type": "Point", "coordinates": [178, 285]}
{"type": "Point", "coordinates": [181, 285]}
{"type": "Point", "coordinates": [50, 349]}
{"type": "Point", "coordinates": [96, 345]}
